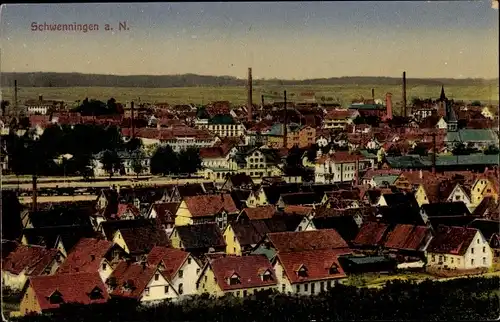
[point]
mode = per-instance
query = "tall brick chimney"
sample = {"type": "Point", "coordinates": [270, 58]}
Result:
{"type": "Point", "coordinates": [404, 94]}
{"type": "Point", "coordinates": [249, 98]}
{"type": "Point", "coordinates": [373, 94]}
{"type": "Point", "coordinates": [388, 106]}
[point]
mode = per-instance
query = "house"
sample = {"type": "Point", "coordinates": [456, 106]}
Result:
{"type": "Point", "coordinates": [222, 125]}
{"type": "Point", "coordinates": [297, 135]}
{"type": "Point", "coordinates": [458, 248]}
{"type": "Point", "coordinates": [240, 276]}
{"type": "Point", "coordinates": [198, 239]}
{"type": "Point", "coordinates": [178, 192]}
{"type": "Point", "coordinates": [138, 241]}
{"type": "Point", "coordinates": [484, 186]}
{"type": "Point", "coordinates": [238, 181]}
{"type": "Point", "coordinates": [92, 255]}
{"type": "Point", "coordinates": [408, 243]}
{"type": "Point", "coordinates": [301, 241]}
{"type": "Point", "coordinates": [43, 294]}
{"type": "Point", "coordinates": [338, 118]}
{"type": "Point", "coordinates": [179, 267]}
{"type": "Point", "coordinates": [299, 198]}
{"type": "Point", "coordinates": [257, 162]}
{"type": "Point", "coordinates": [218, 208]}
{"type": "Point", "coordinates": [26, 261]}
{"type": "Point", "coordinates": [240, 197]}
{"type": "Point", "coordinates": [339, 167]}
{"type": "Point", "coordinates": [145, 282]}
{"type": "Point", "coordinates": [215, 161]}
{"type": "Point", "coordinates": [488, 209]}
{"type": "Point", "coordinates": [269, 195]}
{"type": "Point", "coordinates": [477, 138]}
{"type": "Point", "coordinates": [396, 199]}
{"type": "Point", "coordinates": [490, 231]}
{"type": "Point", "coordinates": [164, 213]}
{"type": "Point", "coordinates": [129, 162]}
{"type": "Point", "coordinates": [444, 209]}
{"type": "Point", "coordinates": [308, 272]}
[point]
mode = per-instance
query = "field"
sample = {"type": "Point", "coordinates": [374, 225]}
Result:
{"type": "Point", "coordinates": [237, 95]}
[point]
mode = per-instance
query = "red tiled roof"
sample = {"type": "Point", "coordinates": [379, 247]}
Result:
{"type": "Point", "coordinates": [249, 269]}
{"type": "Point", "coordinates": [299, 210]}
{"type": "Point", "coordinates": [29, 258]}
{"type": "Point", "coordinates": [407, 237]}
{"type": "Point", "coordinates": [451, 240]}
{"type": "Point", "coordinates": [207, 205]}
{"type": "Point", "coordinates": [165, 211]}
{"type": "Point", "coordinates": [123, 208]}
{"type": "Point", "coordinates": [307, 240]}
{"type": "Point", "coordinates": [338, 114]}
{"type": "Point", "coordinates": [74, 288]}
{"type": "Point", "coordinates": [86, 256]}
{"type": "Point", "coordinates": [136, 275]}
{"type": "Point", "coordinates": [371, 234]}
{"type": "Point", "coordinates": [261, 212]}
{"type": "Point", "coordinates": [172, 259]}
{"type": "Point", "coordinates": [316, 262]}
{"type": "Point", "coordinates": [214, 152]}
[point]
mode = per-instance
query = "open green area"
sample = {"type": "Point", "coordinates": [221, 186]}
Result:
{"type": "Point", "coordinates": [461, 299]}
{"type": "Point", "coordinates": [343, 94]}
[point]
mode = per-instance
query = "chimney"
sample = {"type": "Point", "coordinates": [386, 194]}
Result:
{"type": "Point", "coordinates": [249, 102]}
{"type": "Point", "coordinates": [420, 174]}
{"type": "Point", "coordinates": [388, 106]}
{"type": "Point", "coordinates": [285, 129]}
{"type": "Point", "coordinates": [373, 94]}
{"type": "Point", "coordinates": [132, 118]}
{"type": "Point", "coordinates": [404, 94]}
{"type": "Point", "coordinates": [15, 97]}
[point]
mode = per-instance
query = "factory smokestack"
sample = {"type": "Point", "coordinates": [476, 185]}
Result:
{"type": "Point", "coordinates": [388, 106]}
{"type": "Point", "coordinates": [373, 95]}
{"type": "Point", "coordinates": [285, 125]}
{"type": "Point", "coordinates": [249, 101]}
{"type": "Point", "coordinates": [404, 94]}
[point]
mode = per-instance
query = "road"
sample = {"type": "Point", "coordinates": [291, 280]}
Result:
{"type": "Point", "coordinates": [44, 199]}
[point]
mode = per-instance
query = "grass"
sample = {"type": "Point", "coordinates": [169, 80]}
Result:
{"type": "Point", "coordinates": [237, 95]}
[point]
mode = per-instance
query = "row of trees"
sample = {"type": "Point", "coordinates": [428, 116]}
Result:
{"type": "Point", "coordinates": [166, 161]}
{"type": "Point", "coordinates": [461, 299]}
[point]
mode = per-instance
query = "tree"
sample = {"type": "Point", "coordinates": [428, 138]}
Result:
{"type": "Point", "coordinates": [459, 149]}
{"type": "Point", "coordinates": [359, 120]}
{"type": "Point", "coordinates": [164, 161]}
{"type": "Point", "coordinates": [420, 149]}
{"type": "Point", "coordinates": [491, 150]}
{"type": "Point", "coordinates": [133, 144]}
{"type": "Point", "coordinates": [137, 159]}
{"type": "Point", "coordinates": [24, 123]}
{"type": "Point", "coordinates": [189, 161]}
{"type": "Point", "coordinates": [4, 105]}
{"type": "Point", "coordinates": [476, 103]}
{"type": "Point", "coordinates": [111, 162]}
{"type": "Point", "coordinates": [312, 152]}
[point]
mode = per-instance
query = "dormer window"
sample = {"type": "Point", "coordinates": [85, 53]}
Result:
{"type": "Point", "coordinates": [302, 271]}
{"type": "Point", "coordinates": [56, 298]}
{"type": "Point", "coordinates": [96, 294]}
{"type": "Point", "coordinates": [334, 269]}
{"type": "Point", "coordinates": [267, 276]}
{"type": "Point", "coordinates": [234, 280]}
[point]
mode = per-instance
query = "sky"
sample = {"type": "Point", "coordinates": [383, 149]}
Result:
{"type": "Point", "coordinates": [288, 40]}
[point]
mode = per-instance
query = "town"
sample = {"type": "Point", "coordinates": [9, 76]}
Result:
{"type": "Point", "coordinates": [293, 194]}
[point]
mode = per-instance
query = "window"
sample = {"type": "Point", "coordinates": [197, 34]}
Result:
{"type": "Point", "coordinates": [56, 298]}
{"type": "Point", "coordinates": [334, 269]}
{"type": "Point", "coordinates": [189, 260]}
{"type": "Point", "coordinates": [234, 280]}
{"type": "Point", "coordinates": [484, 249]}
{"type": "Point", "coordinates": [237, 293]}
{"type": "Point", "coordinates": [306, 287]}
{"type": "Point", "coordinates": [472, 261]}
{"type": "Point", "coordinates": [146, 291]}
{"type": "Point", "coordinates": [157, 277]}
{"type": "Point", "coordinates": [484, 260]}
{"type": "Point", "coordinates": [478, 240]}
{"type": "Point", "coordinates": [245, 293]}
{"type": "Point", "coordinates": [267, 276]}
{"type": "Point", "coordinates": [451, 260]}
{"type": "Point", "coordinates": [181, 273]}
{"type": "Point", "coordinates": [302, 272]}
{"type": "Point", "coordinates": [298, 288]}
{"type": "Point", "coordinates": [283, 288]}
{"type": "Point", "coordinates": [181, 289]}
{"type": "Point", "coordinates": [322, 285]}
{"type": "Point", "coordinates": [166, 289]}
{"type": "Point", "coordinates": [205, 278]}
{"type": "Point", "coordinates": [457, 197]}
{"type": "Point", "coordinates": [234, 238]}
{"type": "Point", "coordinates": [312, 288]}
{"type": "Point", "coordinates": [198, 271]}
{"type": "Point", "coordinates": [104, 266]}
{"type": "Point", "coordinates": [472, 250]}
{"type": "Point", "coordinates": [445, 259]}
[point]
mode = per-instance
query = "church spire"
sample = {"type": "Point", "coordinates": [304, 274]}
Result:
{"type": "Point", "coordinates": [442, 97]}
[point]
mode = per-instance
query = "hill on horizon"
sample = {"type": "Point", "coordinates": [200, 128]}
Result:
{"type": "Point", "coordinates": [48, 79]}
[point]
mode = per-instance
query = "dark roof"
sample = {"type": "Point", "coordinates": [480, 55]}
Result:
{"type": "Point", "coordinates": [246, 233]}
{"type": "Point", "coordinates": [56, 215]}
{"type": "Point", "coordinates": [445, 209]}
{"type": "Point", "coordinates": [307, 240]}
{"type": "Point", "coordinates": [190, 189]}
{"type": "Point", "coordinates": [241, 179]}
{"type": "Point", "coordinates": [451, 240]}
{"type": "Point", "coordinates": [407, 237]}
{"type": "Point", "coordinates": [280, 223]}
{"type": "Point", "coordinates": [111, 226]}
{"type": "Point", "coordinates": [143, 239]}
{"type": "Point", "coordinates": [486, 206]}
{"type": "Point", "coordinates": [240, 197]}
{"type": "Point", "coordinates": [10, 216]}
{"type": "Point", "coordinates": [371, 234]}
{"type": "Point", "coordinates": [301, 198]}
{"type": "Point", "coordinates": [487, 227]}
{"type": "Point", "coordinates": [70, 235]}
{"type": "Point", "coordinates": [165, 211]}
{"type": "Point", "coordinates": [400, 214]}
{"type": "Point", "coordinates": [274, 192]}
{"type": "Point", "coordinates": [344, 225]}
{"type": "Point", "coordinates": [399, 198]}
{"type": "Point", "coordinates": [200, 236]}
{"type": "Point", "coordinates": [459, 221]}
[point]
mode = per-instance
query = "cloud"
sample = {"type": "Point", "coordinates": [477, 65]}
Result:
{"type": "Point", "coordinates": [494, 4]}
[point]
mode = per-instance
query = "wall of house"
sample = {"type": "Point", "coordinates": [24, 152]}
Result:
{"type": "Point", "coordinates": [190, 272]}
{"type": "Point", "coordinates": [479, 253]}
{"type": "Point", "coordinates": [248, 291]}
{"type": "Point", "coordinates": [105, 270]}
{"type": "Point", "coordinates": [175, 239]}
{"type": "Point", "coordinates": [232, 244]}
{"type": "Point", "coordinates": [436, 260]}
{"type": "Point", "coordinates": [118, 239]}
{"type": "Point", "coordinates": [29, 302]}
{"type": "Point", "coordinates": [458, 194]}
{"type": "Point", "coordinates": [421, 196]}
{"type": "Point", "coordinates": [157, 289]}
{"type": "Point", "coordinates": [15, 282]}
{"type": "Point", "coordinates": [284, 285]}
{"type": "Point", "coordinates": [208, 283]}
{"type": "Point", "coordinates": [183, 216]}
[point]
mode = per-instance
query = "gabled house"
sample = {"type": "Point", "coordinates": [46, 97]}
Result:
{"type": "Point", "coordinates": [92, 255]}
{"type": "Point", "coordinates": [488, 209]}
{"type": "Point", "coordinates": [142, 281]}
{"type": "Point", "coordinates": [24, 262]}
{"type": "Point", "coordinates": [164, 214]}
{"type": "Point", "coordinates": [299, 198]}
{"type": "Point", "coordinates": [407, 243]}
{"type": "Point", "coordinates": [43, 294]}
{"type": "Point", "coordinates": [198, 239]}
{"type": "Point", "coordinates": [179, 267]}
{"type": "Point", "coordinates": [269, 195]}
{"type": "Point", "coordinates": [308, 272]}
{"type": "Point", "coordinates": [458, 248]}
{"type": "Point", "coordinates": [484, 186]}
{"type": "Point", "coordinates": [444, 209]}
{"type": "Point", "coordinates": [371, 235]}
{"type": "Point", "coordinates": [218, 208]}
{"type": "Point", "coordinates": [240, 276]}
{"type": "Point", "coordinates": [490, 231]}
{"type": "Point", "coordinates": [238, 181]}
{"type": "Point", "coordinates": [179, 192]}
{"type": "Point", "coordinates": [138, 241]}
